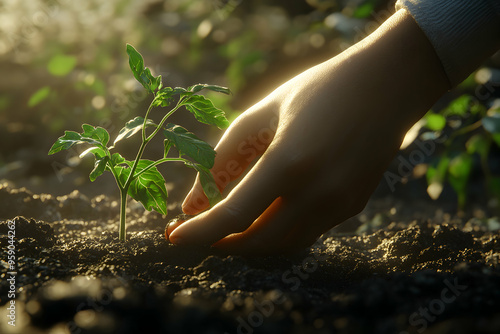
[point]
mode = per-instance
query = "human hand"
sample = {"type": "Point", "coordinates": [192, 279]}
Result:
{"type": "Point", "coordinates": [325, 138]}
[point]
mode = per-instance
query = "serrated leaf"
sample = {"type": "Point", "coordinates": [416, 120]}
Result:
{"type": "Point", "coordinates": [435, 122]}
{"type": "Point", "coordinates": [491, 124]}
{"type": "Point", "coordinates": [97, 133]}
{"type": "Point", "coordinates": [142, 74]}
{"type": "Point", "coordinates": [94, 136]}
{"type": "Point", "coordinates": [148, 188]}
{"type": "Point", "coordinates": [132, 127]}
{"type": "Point", "coordinates": [60, 65]}
{"type": "Point", "coordinates": [69, 139]}
{"type": "Point", "coordinates": [198, 87]}
{"type": "Point", "coordinates": [39, 96]}
{"type": "Point", "coordinates": [99, 168]}
{"type": "Point", "coordinates": [165, 95]}
{"type": "Point", "coordinates": [207, 183]}
{"type": "Point", "coordinates": [204, 111]}
{"type": "Point", "coordinates": [188, 144]}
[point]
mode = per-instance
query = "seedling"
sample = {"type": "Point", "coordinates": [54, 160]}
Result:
{"type": "Point", "coordinates": [140, 178]}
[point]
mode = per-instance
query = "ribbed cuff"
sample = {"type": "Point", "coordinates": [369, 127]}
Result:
{"type": "Point", "coordinates": [463, 32]}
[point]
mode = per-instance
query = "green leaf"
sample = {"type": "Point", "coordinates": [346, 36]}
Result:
{"type": "Point", "coordinates": [204, 111]}
{"type": "Point", "coordinates": [99, 168]}
{"type": "Point", "coordinates": [459, 106]}
{"type": "Point", "coordinates": [165, 96]}
{"type": "Point", "coordinates": [132, 127]}
{"type": "Point", "coordinates": [94, 136]}
{"type": "Point", "coordinates": [148, 188]}
{"type": "Point", "coordinates": [122, 173]}
{"type": "Point", "coordinates": [460, 166]}
{"type": "Point", "coordinates": [142, 74]}
{"type": "Point", "coordinates": [69, 139]}
{"type": "Point", "coordinates": [364, 10]}
{"type": "Point", "coordinates": [117, 159]}
{"type": "Point", "coordinates": [196, 88]}
{"type": "Point", "coordinates": [496, 138]}
{"type": "Point", "coordinates": [167, 145]}
{"type": "Point", "coordinates": [458, 175]}
{"type": "Point", "coordinates": [97, 133]}
{"type": "Point", "coordinates": [188, 144]}
{"type": "Point", "coordinates": [60, 65]}
{"type": "Point", "coordinates": [207, 183]}
{"type": "Point", "coordinates": [135, 61]}
{"type": "Point", "coordinates": [478, 144]}
{"type": "Point", "coordinates": [491, 124]}
{"type": "Point", "coordinates": [435, 177]}
{"type": "Point", "coordinates": [435, 122]}
{"type": "Point", "coordinates": [39, 96]}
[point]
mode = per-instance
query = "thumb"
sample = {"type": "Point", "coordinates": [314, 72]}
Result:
{"type": "Point", "coordinates": [246, 202]}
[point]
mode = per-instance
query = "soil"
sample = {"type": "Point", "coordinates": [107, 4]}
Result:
{"type": "Point", "coordinates": [391, 269]}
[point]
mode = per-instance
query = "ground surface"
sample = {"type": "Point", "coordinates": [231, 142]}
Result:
{"type": "Point", "coordinates": [386, 271]}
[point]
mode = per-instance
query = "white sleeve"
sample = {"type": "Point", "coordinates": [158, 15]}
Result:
{"type": "Point", "coordinates": [463, 32]}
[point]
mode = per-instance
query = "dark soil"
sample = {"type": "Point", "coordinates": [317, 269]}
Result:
{"type": "Point", "coordinates": [377, 273]}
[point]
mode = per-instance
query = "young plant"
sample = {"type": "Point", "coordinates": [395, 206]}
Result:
{"type": "Point", "coordinates": [140, 179]}
{"type": "Point", "coordinates": [475, 132]}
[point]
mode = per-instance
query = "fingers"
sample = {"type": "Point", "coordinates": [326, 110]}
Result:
{"type": "Point", "coordinates": [296, 221]}
{"type": "Point", "coordinates": [286, 226]}
{"type": "Point", "coordinates": [246, 139]}
{"type": "Point", "coordinates": [252, 196]}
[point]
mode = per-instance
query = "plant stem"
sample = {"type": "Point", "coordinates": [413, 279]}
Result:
{"type": "Point", "coordinates": [145, 121]}
{"type": "Point", "coordinates": [462, 131]}
{"type": "Point", "coordinates": [163, 121]}
{"type": "Point", "coordinates": [131, 176]}
{"type": "Point", "coordinates": [156, 163]}
{"type": "Point", "coordinates": [122, 234]}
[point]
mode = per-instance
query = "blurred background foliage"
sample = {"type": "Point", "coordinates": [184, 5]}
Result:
{"type": "Point", "coordinates": [63, 63]}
